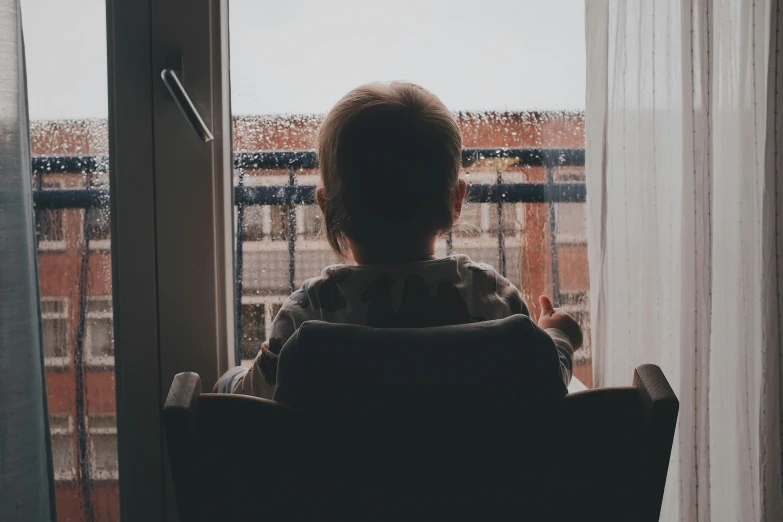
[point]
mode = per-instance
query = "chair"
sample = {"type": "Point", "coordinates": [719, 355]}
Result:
{"type": "Point", "coordinates": [423, 452]}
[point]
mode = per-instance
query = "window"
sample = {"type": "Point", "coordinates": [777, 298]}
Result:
{"type": "Point", "coordinates": [54, 329]}
{"type": "Point", "coordinates": [311, 220]}
{"type": "Point", "coordinates": [61, 428]}
{"type": "Point", "coordinates": [102, 429]}
{"type": "Point", "coordinates": [253, 329]}
{"type": "Point", "coordinates": [50, 223]}
{"type": "Point", "coordinates": [577, 304]}
{"type": "Point", "coordinates": [98, 223]}
{"type": "Point", "coordinates": [278, 217]}
{"type": "Point", "coordinates": [67, 92]}
{"type": "Point", "coordinates": [99, 335]}
{"type": "Point", "coordinates": [267, 222]}
{"type": "Point", "coordinates": [258, 312]}
{"type": "Point", "coordinates": [66, 58]}
{"type": "Point", "coordinates": [571, 226]}
{"type": "Point", "coordinates": [514, 129]}
{"type": "Point", "coordinates": [256, 223]}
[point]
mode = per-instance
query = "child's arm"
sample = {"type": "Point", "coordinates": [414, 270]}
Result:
{"type": "Point", "coordinates": [564, 331]}
{"type": "Point", "coordinates": [259, 380]}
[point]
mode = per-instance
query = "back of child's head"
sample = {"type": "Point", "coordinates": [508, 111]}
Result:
{"type": "Point", "coordinates": [389, 157]}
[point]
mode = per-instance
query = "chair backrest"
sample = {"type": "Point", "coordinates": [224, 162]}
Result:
{"type": "Point", "coordinates": [596, 455]}
{"type": "Point", "coordinates": [506, 363]}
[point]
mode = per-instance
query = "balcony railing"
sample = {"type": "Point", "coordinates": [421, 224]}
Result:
{"type": "Point", "coordinates": [290, 195]}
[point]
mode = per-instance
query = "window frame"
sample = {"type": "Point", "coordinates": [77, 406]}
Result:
{"type": "Point", "coordinates": [171, 201]}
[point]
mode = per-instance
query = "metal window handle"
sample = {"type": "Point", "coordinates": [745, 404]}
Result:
{"type": "Point", "coordinates": [182, 100]}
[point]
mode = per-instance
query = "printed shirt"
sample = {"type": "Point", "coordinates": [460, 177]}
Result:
{"type": "Point", "coordinates": [447, 291]}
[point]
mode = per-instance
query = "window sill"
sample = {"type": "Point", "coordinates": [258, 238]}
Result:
{"type": "Point", "coordinates": [104, 476]}
{"type": "Point", "coordinates": [100, 245]}
{"type": "Point", "coordinates": [570, 239]}
{"type": "Point", "coordinates": [57, 362]}
{"type": "Point", "coordinates": [100, 362]}
{"type": "Point", "coordinates": [48, 246]}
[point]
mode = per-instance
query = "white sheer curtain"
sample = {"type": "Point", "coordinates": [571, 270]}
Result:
{"type": "Point", "coordinates": [683, 168]}
{"type": "Point", "coordinates": [26, 479]}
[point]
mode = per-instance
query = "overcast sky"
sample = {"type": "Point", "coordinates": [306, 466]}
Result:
{"type": "Point", "coordinates": [300, 56]}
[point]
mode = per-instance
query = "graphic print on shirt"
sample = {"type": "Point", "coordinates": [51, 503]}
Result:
{"type": "Point", "coordinates": [495, 283]}
{"type": "Point", "coordinates": [418, 309]}
{"type": "Point", "coordinates": [325, 292]}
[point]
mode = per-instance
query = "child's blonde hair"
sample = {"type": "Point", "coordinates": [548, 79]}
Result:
{"type": "Point", "coordinates": [389, 156]}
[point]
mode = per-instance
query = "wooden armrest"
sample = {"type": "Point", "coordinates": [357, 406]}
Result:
{"type": "Point", "coordinates": [179, 423]}
{"type": "Point", "coordinates": [184, 392]}
{"type": "Point", "coordinates": [654, 388]}
{"type": "Point", "coordinates": [661, 408]}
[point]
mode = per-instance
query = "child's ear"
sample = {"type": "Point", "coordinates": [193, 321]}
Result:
{"type": "Point", "coordinates": [459, 198]}
{"type": "Point", "coordinates": [320, 198]}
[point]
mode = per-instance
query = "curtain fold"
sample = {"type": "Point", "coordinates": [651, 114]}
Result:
{"type": "Point", "coordinates": [683, 167]}
{"type": "Point", "coordinates": [26, 477]}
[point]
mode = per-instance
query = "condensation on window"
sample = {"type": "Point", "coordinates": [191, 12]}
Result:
{"type": "Point", "coordinates": [65, 48]}
{"type": "Point", "coordinates": [522, 129]}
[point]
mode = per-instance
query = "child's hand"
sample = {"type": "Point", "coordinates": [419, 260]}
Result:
{"type": "Point", "coordinates": [551, 318]}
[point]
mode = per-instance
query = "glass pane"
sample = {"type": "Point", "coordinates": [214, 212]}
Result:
{"type": "Point", "coordinates": [65, 44]}
{"type": "Point", "coordinates": [63, 456]}
{"type": "Point", "coordinates": [523, 124]}
{"type": "Point", "coordinates": [99, 332]}
{"type": "Point", "coordinates": [254, 329]}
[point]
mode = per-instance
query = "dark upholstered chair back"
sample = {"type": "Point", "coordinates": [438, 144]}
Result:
{"type": "Point", "coordinates": [500, 364]}
{"type": "Point", "coordinates": [386, 438]}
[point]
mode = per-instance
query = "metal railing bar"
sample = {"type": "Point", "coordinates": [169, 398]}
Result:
{"type": "Point", "coordinates": [306, 159]}
{"type": "Point", "coordinates": [238, 290]}
{"type": "Point", "coordinates": [501, 239]}
{"type": "Point", "coordinates": [553, 242]}
{"type": "Point", "coordinates": [291, 233]}
{"type": "Point", "coordinates": [47, 199]}
{"type": "Point", "coordinates": [80, 378]}
{"type": "Point", "coordinates": [305, 194]}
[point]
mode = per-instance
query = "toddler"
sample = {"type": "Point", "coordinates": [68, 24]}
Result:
{"type": "Point", "coordinates": [389, 157]}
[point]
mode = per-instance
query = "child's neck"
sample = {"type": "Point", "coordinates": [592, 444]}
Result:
{"type": "Point", "coordinates": [382, 254]}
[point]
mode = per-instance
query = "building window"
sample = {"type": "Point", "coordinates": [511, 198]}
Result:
{"type": "Point", "coordinates": [258, 312]}
{"type": "Point", "coordinates": [513, 217]}
{"type": "Point", "coordinates": [50, 223]}
{"type": "Point", "coordinates": [571, 223]}
{"type": "Point", "coordinates": [54, 329]}
{"type": "Point", "coordinates": [99, 332]}
{"type": "Point", "coordinates": [311, 221]}
{"type": "Point", "coordinates": [260, 222]}
{"type": "Point", "coordinates": [279, 222]}
{"type": "Point", "coordinates": [102, 429]}
{"type": "Point", "coordinates": [255, 222]}
{"type": "Point", "coordinates": [569, 175]}
{"type": "Point", "coordinates": [61, 428]}
{"type": "Point", "coordinates": [98, 228]}
{"type": "Point", "coordinates": [253, 329]}
{"type": "Point", "coordinates": [577, 304]}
